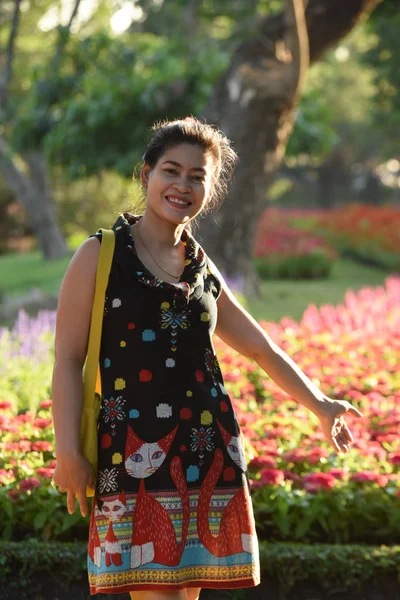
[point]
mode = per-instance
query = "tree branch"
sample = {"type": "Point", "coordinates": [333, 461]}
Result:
{"type": "Point", "coordinates": [62, 42]}
{"type": "Point", "coordinates": [5, 80]}
{"type": "Point", "coordinates": [296, 41]}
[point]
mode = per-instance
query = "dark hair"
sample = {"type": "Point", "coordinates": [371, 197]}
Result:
{"type": "Point", "coordinates": [192, 131]}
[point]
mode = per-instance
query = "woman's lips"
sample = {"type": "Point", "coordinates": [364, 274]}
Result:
{"type": "Point", "coordinates": [176, 204]}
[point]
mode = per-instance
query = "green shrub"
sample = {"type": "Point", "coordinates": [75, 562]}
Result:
{"type": "Point", "coordinates": [316, 264]}
{"type": "Point", "coordinates": [334, 569]}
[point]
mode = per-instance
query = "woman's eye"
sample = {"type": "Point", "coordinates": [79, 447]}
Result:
{"type": "Point", "coordinates": [198, 178]}
{"type": "Point", "coordinates": [171, 171]}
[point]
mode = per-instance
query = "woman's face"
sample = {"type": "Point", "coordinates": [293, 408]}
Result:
{"type": "Point", "coordinates": [180, 184]}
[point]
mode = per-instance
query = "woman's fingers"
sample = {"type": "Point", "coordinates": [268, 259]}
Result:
{"type": "Point", "coordinates": [83, 504]}
{"type": "Point", "coordinates": [70, 501]}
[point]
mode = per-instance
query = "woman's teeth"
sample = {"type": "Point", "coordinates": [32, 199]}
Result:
{"type": "Point", "coordinates": [177, 201]}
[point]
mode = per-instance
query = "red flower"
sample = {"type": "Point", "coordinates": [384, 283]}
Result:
{"type": "Point", "coordinates": [272, 476]}
{"type": "Point", "coordinates": [256, 483]}
{"type": "Point", "coordinates": [316, 454]}
{"type": "Point", "coordinates": [315, 481]}
{"type": "Point", "coordinates": [41, 423]}
{"type": "Point", "coordinates": [28, 484]}
{"type": "Point", "coordinates": [262, 461]}
{"type": "Point", "coordinates": [338, 473]}
{"type": "Point", "coordinates": [4, 405]}
{"type": "Point", "coordinates": [24, 446]}
{"type": "Point", "coordinates": [45, 404]}
{"type": "Point", "coordinates": [363, 476]}
{"type": "Point", "coordinates": [395, 458]}
{"type": "Point", "coordinates": [45, 472]}
{"type": "Point", "coordinates": [290, 476]}
{"type": "Point", "coordinates": [42, 447]}
{"type": "Point", "coordinates": [296, 455]}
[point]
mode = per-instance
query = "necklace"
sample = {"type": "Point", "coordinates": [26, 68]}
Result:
{"type": "Point", "coordinates": [147, 250]}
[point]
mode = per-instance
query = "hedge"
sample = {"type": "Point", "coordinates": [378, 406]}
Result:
{"type": "Point", "coordinates": [51, 570]}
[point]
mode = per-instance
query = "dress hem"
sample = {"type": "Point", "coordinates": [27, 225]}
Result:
{"type": "Point", "coordinates": [125, 589]}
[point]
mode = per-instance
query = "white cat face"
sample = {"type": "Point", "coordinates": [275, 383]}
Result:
{"type": "Point", "coordinates": [236, 452]}
{"type": "Point", "coordinates": [113, 509]}
{"type": "Point", "coordinates": [145, 461]}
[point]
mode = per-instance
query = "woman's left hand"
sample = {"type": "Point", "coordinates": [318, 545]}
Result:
{"type": "Point", "coordinates": [333, 424]}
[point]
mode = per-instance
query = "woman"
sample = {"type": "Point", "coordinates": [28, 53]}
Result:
{"type": "Point", "coordinates": [172, 511]}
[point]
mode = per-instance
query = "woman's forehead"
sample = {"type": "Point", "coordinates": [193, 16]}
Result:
{"type": "Point", "coordinates": [187, 155]}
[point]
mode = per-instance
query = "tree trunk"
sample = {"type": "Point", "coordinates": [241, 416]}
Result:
{"type": "Point", "coordinates": [254, 105]}
{"type": "Point", "coordinates": [34, 194]}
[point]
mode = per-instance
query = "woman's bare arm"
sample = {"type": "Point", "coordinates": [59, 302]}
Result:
{"type": "Point", "coordinates": [238, 329]}
{"type": "Point", "coordinates": [71, 340]}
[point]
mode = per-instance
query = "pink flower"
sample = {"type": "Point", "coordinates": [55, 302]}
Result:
{"type": "Point", "coordinates": [41, 423]}
{"type": "Point", "coordinates": [46, 404]}
{"type": "Point", "coordinates": [363, 476]}
{"type": "Point", "coordinates": [316, 454]}
{"type": "Point", "coordinates": [24, 446]}
{"type": "Point", "coordinates": [315, 481]}
{"type": "Point", "coordinates": [338, 473]}
{"type": "Point", "coordinates": [290, 476]}
{"type": "Point", "coordinates": [42, 446]}
{"type": "Point", "coordinates": [262, 461]}
{"type": "Point", "coordinates": [272, 476]}
{"type": "Point", "coordinates": [256, 483]}
{"type": "Point", "coordinates": [28, 484]}
{"type": "Point", "coordinates": [296, 455]}
{"type": "Point", "coordinates": [45, 472]}
{"type": "Point", "coordinates": [394, 458]}
{"type": "Point", "coordinates": [25, 418]}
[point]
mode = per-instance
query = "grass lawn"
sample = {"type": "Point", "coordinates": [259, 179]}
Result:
{"type": "Point", "coordinates": [290, 298]}
{"type": "Point", "coordinates": [21, 272]}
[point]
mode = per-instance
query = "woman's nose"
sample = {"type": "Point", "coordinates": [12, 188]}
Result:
{"type": "Point", "coordinates": [183, 184]}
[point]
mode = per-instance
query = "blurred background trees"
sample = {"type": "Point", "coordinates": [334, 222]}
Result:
{"type": "Point", "coordinates": [87, 78]}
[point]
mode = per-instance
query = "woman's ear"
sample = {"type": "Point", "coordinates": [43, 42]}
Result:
{"type": "Point", "coordinates": [144, 175]}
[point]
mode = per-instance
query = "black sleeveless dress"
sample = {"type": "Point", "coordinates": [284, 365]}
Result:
{"type": "Point", "coordinates": [172, 507]}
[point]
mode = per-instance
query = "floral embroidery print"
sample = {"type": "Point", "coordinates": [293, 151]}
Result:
{"type": "Point", "coordinates": [113, 411]}
{"type": "Point", "coordinates": [174, 320]}
{"type": "Point", "coordinates": [201, 441]}
{"type": "Point", "coordinates": [211, 362]}
{"type": "Point", "coordinates": [108, 480]}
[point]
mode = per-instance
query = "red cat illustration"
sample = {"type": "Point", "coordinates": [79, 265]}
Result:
{"type": "Point", "coordinates": [237, 530]}
{"type": "Point", "coordinates": [113, 511]}
{"type": "Point", "coordinates": [94, 548]}
{"type": "Point", "coordinates": [153, 533]}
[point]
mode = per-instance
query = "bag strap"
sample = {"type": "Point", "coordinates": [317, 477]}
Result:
{"type": "Point", "coordinates": [91, 374]}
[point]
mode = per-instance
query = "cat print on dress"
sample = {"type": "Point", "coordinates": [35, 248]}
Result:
{"type": "Point", "coordinates": [153, 533]}
{"type": "Point", "coordinates": [236, 531]}
{"type": "Point", "coordinates": [113, 510]}
{"type": "Point", "coordinates": [94, 546]}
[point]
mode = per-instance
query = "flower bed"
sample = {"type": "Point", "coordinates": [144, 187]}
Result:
{"type": "Point", "coordinates": [281, 251]}
{"type": "Point", "coordinates": [364, 232]}
{"type": "Point", "coordinates": [301, 489]}
{"type": "Point", "coordinates": [368, 233]}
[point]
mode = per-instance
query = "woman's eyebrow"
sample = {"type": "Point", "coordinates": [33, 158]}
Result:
{"type": "Point", "coordinates": [173, 162]}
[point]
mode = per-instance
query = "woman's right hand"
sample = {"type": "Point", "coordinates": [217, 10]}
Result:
{"type": "Point", "coordinates": [72, 474]}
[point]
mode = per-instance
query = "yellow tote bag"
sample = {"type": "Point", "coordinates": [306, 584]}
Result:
{"type": "Point", "coordinates": [91, 372]}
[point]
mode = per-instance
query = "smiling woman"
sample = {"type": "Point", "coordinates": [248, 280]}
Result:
{"type": "Point", "coordinates": [172, 510]}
